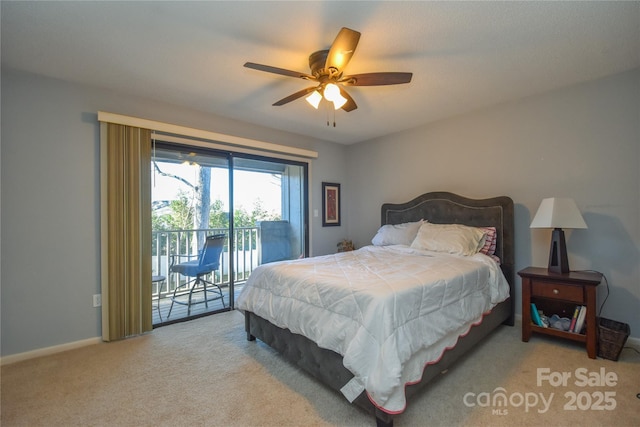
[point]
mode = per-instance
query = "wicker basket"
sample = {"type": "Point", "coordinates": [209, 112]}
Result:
{"type": "Point", "coordinates": [612, 336]}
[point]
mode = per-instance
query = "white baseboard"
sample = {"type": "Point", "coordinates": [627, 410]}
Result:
{"type": "Point", "coordinates": [633, 342]}
{"type": "Point", "coordinates": [6, 360]}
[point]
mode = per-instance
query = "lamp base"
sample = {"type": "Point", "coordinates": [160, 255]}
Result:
{"type": "Point", "coordinates": [558, 261]}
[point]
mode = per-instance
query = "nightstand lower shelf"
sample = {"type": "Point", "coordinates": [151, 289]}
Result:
{"type": "Point", "coordinates": [558, 333]}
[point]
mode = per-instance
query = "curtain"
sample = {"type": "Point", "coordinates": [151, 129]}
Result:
{"type": "Point", "coordinates": [126, 231]}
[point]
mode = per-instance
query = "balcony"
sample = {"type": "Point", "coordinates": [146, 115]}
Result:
{"type": "Point", "coordinates": [268, 241]}
{"type": "Point", "coordinates": [166, 244]}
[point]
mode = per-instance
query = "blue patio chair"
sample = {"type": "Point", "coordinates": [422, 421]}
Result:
{"type": "Point", "coordinates": [208, 261]}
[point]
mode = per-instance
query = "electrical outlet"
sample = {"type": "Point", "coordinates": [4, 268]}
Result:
{"type": "Point", "coordinates": [97, 300]}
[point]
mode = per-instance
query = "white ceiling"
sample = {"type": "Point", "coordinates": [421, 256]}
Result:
{"type": "Point", "coordinates": [463, 55]}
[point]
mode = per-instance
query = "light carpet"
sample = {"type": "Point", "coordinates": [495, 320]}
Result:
{"type": "Point", "coordinates": [205, 373]}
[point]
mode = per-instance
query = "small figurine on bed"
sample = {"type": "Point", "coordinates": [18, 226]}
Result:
{"type": "Point", "coordinates": [345, 246]}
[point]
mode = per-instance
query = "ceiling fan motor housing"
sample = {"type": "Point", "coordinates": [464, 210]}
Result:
{"type": "Point", "coordinates": [317, 61]}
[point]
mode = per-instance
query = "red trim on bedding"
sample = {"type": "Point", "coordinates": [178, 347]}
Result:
{"type": "Point", "coordinates": [425, 366]}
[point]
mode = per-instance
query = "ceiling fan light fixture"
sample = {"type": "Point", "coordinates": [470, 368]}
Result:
{"type": "Point", "coordinates": [332, 92]}
{"type": "Point", "coordinates": [314, 99]}
{"type": "Point", "coordinates": [339, 101]}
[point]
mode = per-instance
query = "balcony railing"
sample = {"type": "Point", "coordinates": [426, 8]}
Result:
{"type": "Point", "coordinates": [167, 244]}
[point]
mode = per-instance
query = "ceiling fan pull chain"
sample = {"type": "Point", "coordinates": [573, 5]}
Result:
{"type": "Point", "coordinates": [326, 109]}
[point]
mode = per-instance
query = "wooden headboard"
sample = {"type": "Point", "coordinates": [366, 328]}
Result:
{"type": "Point", "coordinates": [447, 208]}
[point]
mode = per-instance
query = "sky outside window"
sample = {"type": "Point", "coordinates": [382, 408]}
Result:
{"type": "Point", "coordinates": [248, 186]}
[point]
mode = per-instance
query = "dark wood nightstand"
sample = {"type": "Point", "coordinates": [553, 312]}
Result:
{"type": "Point", "coordinates": [556, 293]}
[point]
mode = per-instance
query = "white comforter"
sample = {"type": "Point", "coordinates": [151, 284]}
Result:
{"type": "Point", "coordinates": [388, 310]}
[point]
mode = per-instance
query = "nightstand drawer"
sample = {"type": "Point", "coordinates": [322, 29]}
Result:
{"type": "Point", "coordinates": [556, 291]}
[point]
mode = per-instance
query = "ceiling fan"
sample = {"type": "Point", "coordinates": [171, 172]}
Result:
{"type": "Point", "coordinates": [327, 70]}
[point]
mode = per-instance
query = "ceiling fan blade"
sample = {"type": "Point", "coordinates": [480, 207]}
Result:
{"type": "Point", "coordinates": [376, 79]}
{"type": "Point", "coordinates": [295, 96]}
{"type": "Point", "coordinates": [281, 71]}
{"type": "Point", "coordinates": [342, 49]}
{"type": "Point", "coordinates": [350, 105]}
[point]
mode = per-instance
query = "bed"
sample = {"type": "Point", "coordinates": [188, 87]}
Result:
{"type": "Point", "coordinates": [353, 367]}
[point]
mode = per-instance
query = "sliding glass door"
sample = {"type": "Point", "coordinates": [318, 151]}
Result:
{"type": "Point", "coordinates": [258, 204]}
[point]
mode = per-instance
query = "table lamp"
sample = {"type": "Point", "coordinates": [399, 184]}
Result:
{"type": "Point", "coordinates": [558, 213]}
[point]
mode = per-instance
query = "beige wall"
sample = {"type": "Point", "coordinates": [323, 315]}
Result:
{"type": "Point", "coordinates": [580, 142]}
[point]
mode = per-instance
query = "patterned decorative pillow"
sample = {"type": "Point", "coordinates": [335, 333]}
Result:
{"type": "Point", "coordinates": [490, 238]}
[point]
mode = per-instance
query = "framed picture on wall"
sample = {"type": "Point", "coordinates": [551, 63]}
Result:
{"type": "Point", "coordinates": [330, 204]}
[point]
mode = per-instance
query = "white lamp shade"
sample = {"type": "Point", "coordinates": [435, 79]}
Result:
{"type": "Point", "coordinates": [331, 92]}
{"type": "Point", "coordinates": [557, 212]}
{"type": "Point", "coordinates": [314, 99]}
{"type": "Point", "coordinates": [339, 101]}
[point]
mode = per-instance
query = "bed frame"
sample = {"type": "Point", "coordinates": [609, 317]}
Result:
{"type": "Point", "coordinates": [438, 208]}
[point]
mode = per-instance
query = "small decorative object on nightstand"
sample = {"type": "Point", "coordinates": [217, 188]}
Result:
{"type": "Point", "coordinates": [346, 245]}
{"type": "Point", "coordinates": [556, 293]}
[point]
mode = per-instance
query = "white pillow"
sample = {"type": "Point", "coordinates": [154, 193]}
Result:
{"type": "Point", "coordinates": [449, 238]}
{"type": "Point", "coordinates": [396, 234]}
